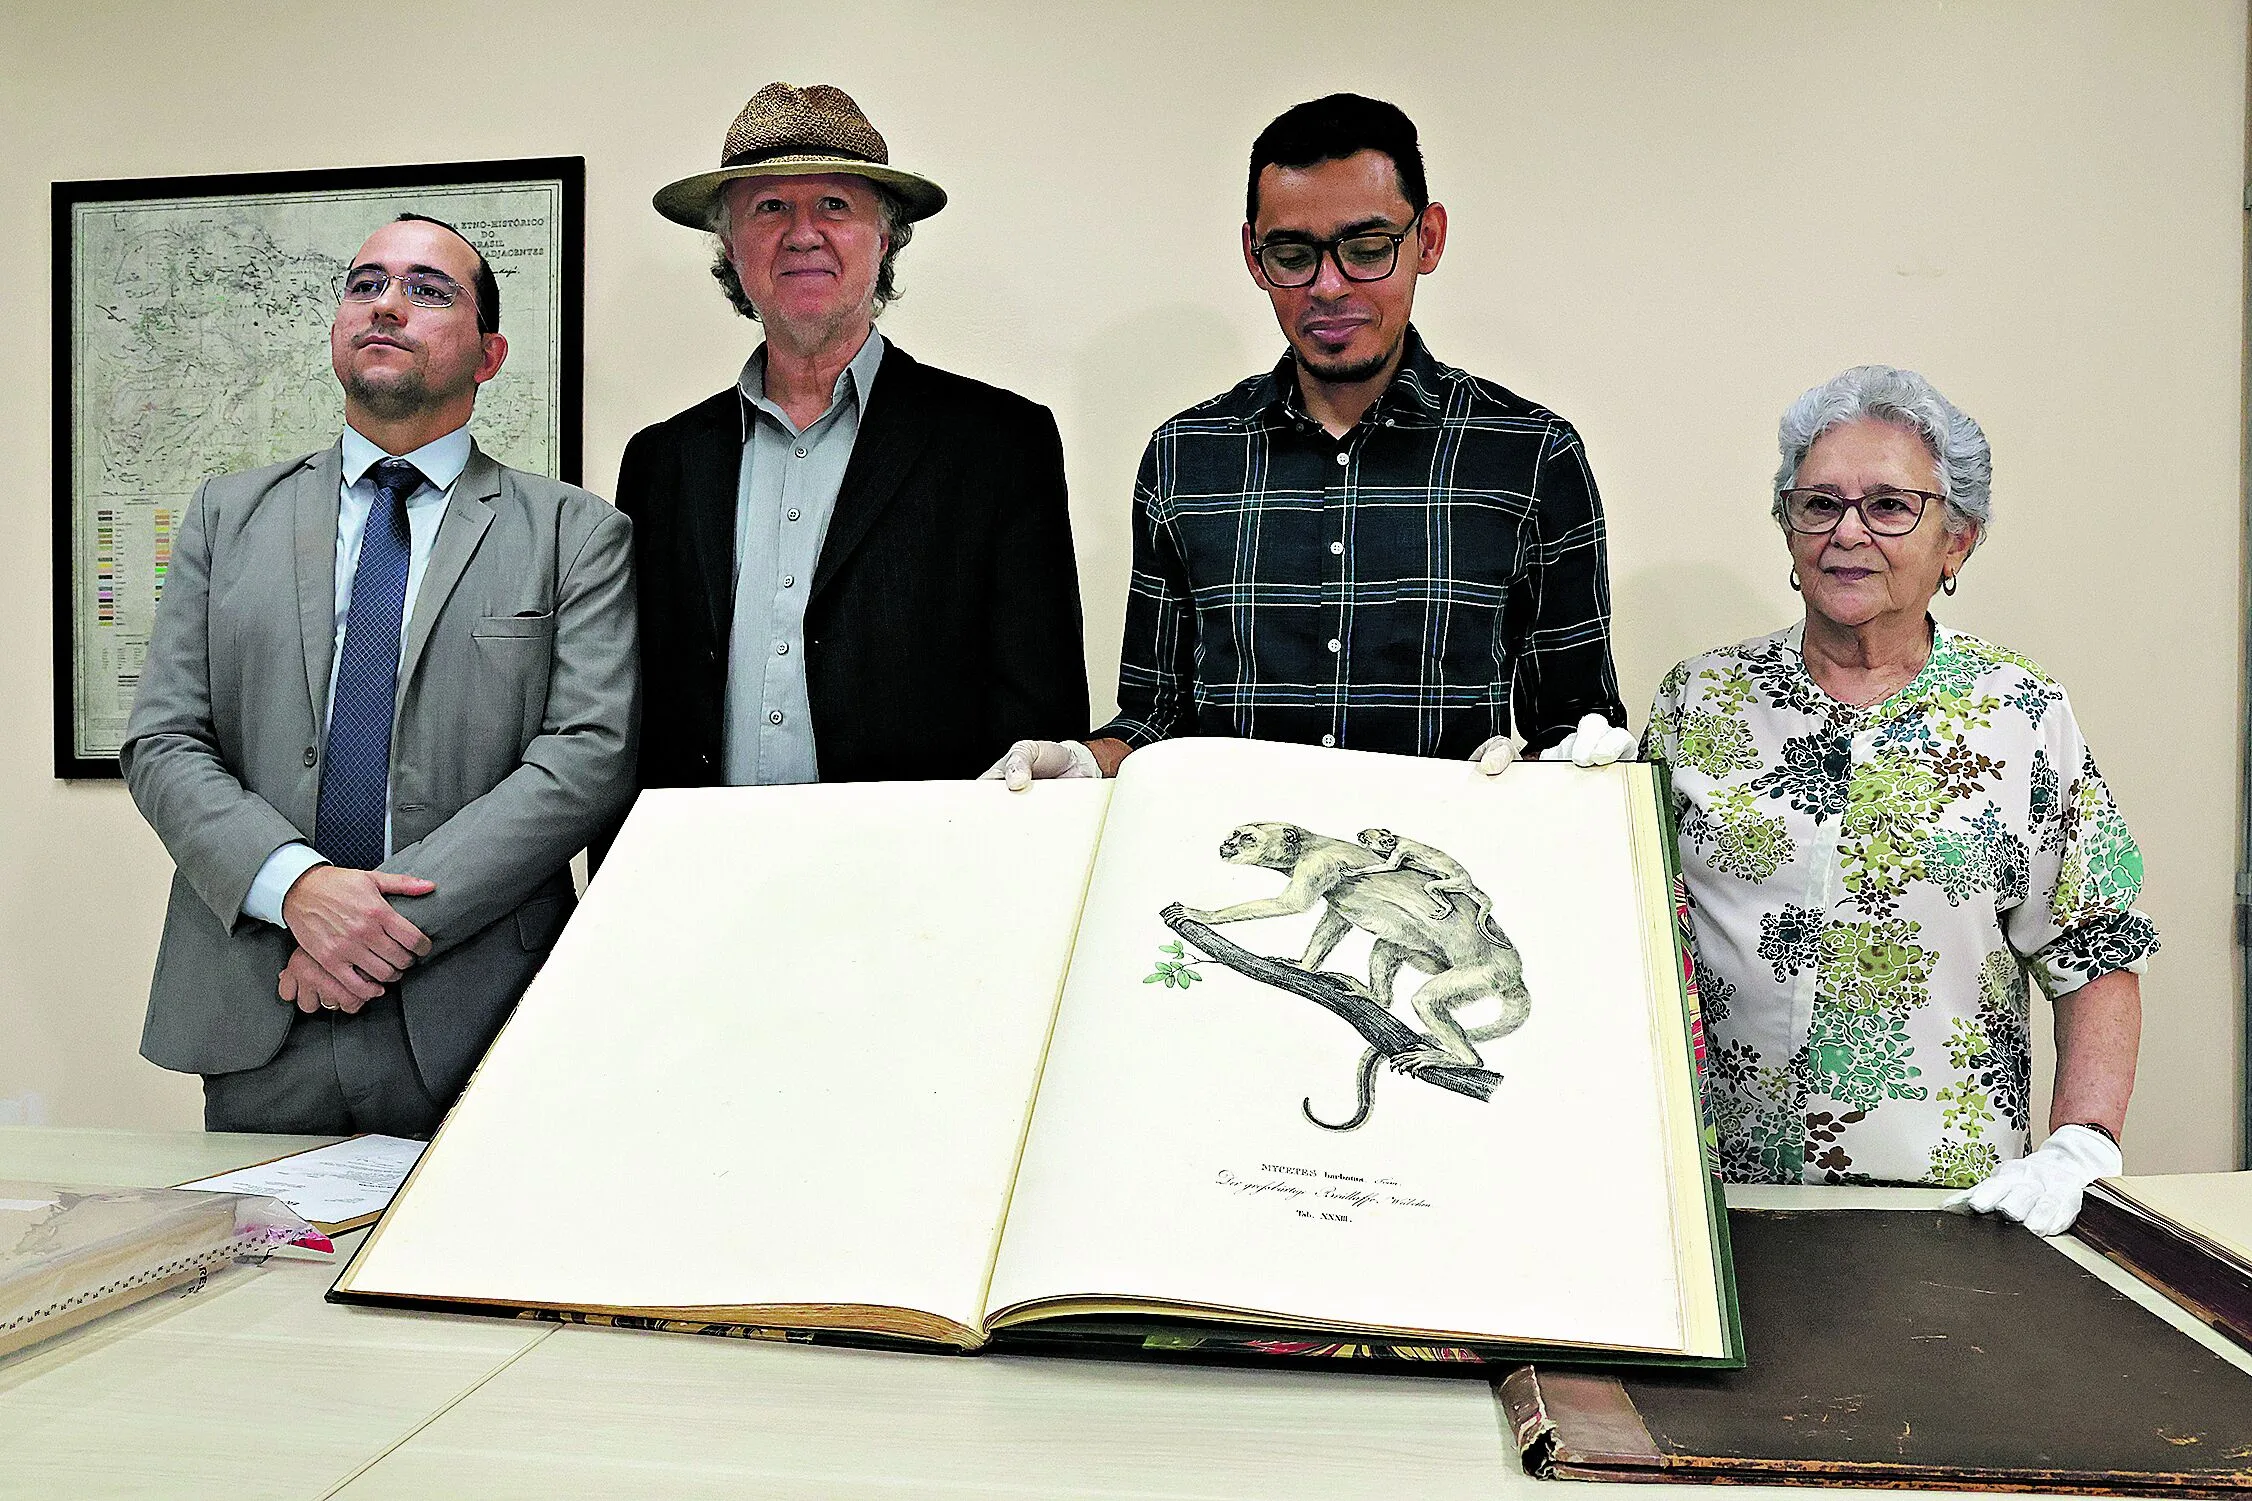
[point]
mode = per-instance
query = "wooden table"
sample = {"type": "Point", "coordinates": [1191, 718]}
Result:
{"type": "Point", "coordinates": [254, 1387]}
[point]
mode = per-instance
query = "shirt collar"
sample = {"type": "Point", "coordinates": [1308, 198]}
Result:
{"type": "Point", "coordinates": [441, 460]}
{"type": "Point", "coordinates": [1945, 644]}
{"type": "Point", "coordinates": [859, 377]}
{"type": "Point", "coordinates": [1414, 389]}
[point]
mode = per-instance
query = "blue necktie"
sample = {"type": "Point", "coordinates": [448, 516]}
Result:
{"type": "Point", "coordinates": [356, 773]}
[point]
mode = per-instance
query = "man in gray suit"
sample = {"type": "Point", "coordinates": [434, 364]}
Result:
{"type": "Point", "coordinates": [391, 692]}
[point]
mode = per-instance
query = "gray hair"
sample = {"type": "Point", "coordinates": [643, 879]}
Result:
{"type": "Point", "coordinates": [1905, 399]}
{"type": "Point", "coordinates": [897, 232]}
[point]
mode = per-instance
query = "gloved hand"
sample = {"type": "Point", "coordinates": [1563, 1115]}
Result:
{"type": "Point", "coordinates": [2043, 1190]}
{"type": "Point", "coordinates": [1030, 761]}
{"type": "Point", "coordinates": [1493, 756]}
{"type": "Point", "coordinates": [1594, 743]}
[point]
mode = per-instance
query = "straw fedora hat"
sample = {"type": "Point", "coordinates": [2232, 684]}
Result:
{"type": "Point", "coordinates": [787, 131]}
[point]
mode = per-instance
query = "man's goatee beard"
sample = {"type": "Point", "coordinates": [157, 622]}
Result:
{"type": "Point", "coordinates": [1348, 375]}
{"type": "Point", "coordinates": [390, 400]}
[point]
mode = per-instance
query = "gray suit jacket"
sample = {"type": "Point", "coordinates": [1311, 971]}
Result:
{"type": "Point", "coordinates": [513, 747]}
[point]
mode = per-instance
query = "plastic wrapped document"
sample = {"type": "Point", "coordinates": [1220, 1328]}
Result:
{"type": "Point", "coordinates": [68, 1256]}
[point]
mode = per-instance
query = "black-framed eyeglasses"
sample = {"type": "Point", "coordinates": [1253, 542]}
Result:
{"type": "Point", "coordinates": [423, 288]}
{"type": "Point", "coordinates": [1364, 255]}
{"type": "Point", "coordinates": [1887, 512]}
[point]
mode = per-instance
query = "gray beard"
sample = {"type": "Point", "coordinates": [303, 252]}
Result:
{"type": "Point", "coordinates": [815, 334]}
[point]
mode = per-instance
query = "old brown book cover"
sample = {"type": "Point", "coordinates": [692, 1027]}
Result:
{"type": "Point", "coordinates": [1896, 1348]}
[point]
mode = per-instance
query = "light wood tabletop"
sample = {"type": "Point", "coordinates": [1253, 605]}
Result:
{"type": "Point", "coordinates": [254, 1387]}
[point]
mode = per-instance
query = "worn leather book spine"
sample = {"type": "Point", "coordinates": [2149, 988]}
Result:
{"type": "Point", "coordinates": [1573, 1425]}
{"type": "Point", "coordinates": [2217, 1293]}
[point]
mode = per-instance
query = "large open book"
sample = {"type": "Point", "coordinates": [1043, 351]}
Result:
{"type": "Point", "coordinates": [1257, 1048]}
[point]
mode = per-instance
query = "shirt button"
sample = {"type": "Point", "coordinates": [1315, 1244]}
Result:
{"type": "Point", "coordinates": [774, 716]}
{"type": "Point", "coordinates": [789, 580]}
{"type": "Point", "coordinates": [1333, 646]}
{"type": "Point", "coordinates": [800, 453]}
{"type": "Point", "coordinates": [1343, 459]}
{"type": "Point", "coordinates": [1329, 739]}
{"type": "Point", "coordinates": [1336, 547]}
{"type": "Point", "coordinates": [793, 513]}
{"type": "Point", "coordinates": [311, 755]}
{"type": "Point", "coordinates": [781, 648]}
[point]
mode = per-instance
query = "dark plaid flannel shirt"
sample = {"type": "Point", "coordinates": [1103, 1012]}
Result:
{"type": "Point", "coordinates": [1399, 589]}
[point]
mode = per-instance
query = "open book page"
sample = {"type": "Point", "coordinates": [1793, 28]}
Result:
{"type": "Point", "coordinates": [782, 1056]}
{"type": "Point", "coordinates": [1219, 1141]}
{"type": "Point", "coordinates": [2214, 1207]}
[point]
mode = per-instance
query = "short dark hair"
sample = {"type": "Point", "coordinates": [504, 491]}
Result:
{"type": "Point", "coordinates": [488, 286]}
{"type": "Point", "coordinates": [1329, 130]}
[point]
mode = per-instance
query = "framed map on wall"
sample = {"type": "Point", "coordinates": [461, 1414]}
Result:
{"type": "Point", "coordinates": [191, 321]}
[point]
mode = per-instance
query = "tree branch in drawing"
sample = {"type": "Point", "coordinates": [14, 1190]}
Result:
{"type": "Point", "coordinates": [1386, 1034]}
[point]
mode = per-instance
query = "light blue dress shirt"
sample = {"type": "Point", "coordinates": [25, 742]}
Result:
{"type": "Point", "coordinates": [441, 461]}
{"type": "Point", "coordinates": [785, 493]}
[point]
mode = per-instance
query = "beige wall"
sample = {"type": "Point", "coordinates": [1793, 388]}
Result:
{"type": "Point", "coordinates": [1668, 220]}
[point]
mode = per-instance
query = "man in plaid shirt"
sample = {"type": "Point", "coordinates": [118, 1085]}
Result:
{"type": "Point", "coordinates": [1363, 546]}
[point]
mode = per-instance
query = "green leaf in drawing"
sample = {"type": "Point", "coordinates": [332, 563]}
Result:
{"type": "Point", "coordinates": [1176, 973]}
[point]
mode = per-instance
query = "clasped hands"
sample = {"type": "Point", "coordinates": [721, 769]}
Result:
{"type": "Point", "coordinates": [350, 941]}
{"type": "Point", "coordinates": [1596, 742]}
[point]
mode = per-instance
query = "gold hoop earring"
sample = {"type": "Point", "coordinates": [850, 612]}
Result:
{"type": "Point", "coordinates": [1947, 583]}
{"type": "Point", "coordinates": [1794, 581]}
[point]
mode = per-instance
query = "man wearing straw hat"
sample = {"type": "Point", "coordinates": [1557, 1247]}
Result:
{"type": "Point", "coordinates": [853, 566]}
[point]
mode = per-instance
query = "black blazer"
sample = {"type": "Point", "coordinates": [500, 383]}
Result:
{"type": "Point", "coordinates": [942, 621]}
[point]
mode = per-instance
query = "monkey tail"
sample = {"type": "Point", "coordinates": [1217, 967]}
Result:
{"type": "Point", "coordinates": [1364, 1087]}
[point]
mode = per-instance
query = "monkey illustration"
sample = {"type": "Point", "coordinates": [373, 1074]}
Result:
{"type": "Point", "coordinates": [1449, 879]}
{"type": "Point", "coordinates": [1467, 958]}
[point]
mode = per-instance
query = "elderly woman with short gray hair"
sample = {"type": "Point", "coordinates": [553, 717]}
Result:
{"type": "Point", "coordinates": [1887, 828]}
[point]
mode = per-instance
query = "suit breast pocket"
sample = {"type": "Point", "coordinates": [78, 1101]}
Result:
{"type": "Point", "coordinates": [530, 627]}
{"type": "Point", "coordinates": [515, 658]}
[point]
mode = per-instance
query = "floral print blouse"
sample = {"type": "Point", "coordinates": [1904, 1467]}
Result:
{"type": "Point", "coordinates": [1871, 888]}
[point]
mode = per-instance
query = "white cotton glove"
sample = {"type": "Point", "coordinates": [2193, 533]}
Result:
{"type": "Point", "coordinates": [1493, 756]}
{"type": "Point", "coordinates": [1595, 743]}
{"type": "Point", "coordinates": [1030, 761]}
{"type": "Point", "coordinates": [2043, 1190]}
